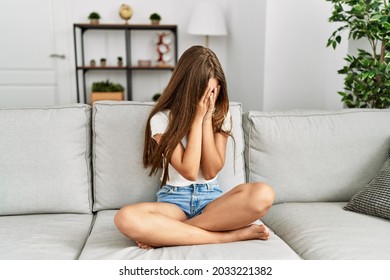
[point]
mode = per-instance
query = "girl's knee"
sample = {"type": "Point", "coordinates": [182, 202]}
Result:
{"type": "Point", "coordinates": [130, 220]}
{"type": "Point", "coordinates": [262, 196]}
{"type": "Point", "coordinates": [267, 192]}
{"type": "Point", "coordinates": [121, 218]}
{"type": "Point", "coordinates": [126, 218]}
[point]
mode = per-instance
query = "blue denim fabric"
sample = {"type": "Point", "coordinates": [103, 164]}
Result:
{"type": "Point", "coordinates": [191, 199]}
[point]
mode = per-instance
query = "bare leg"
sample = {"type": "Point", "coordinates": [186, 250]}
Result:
{"type": "Point", "coordinates": [163, 224]}
{"type": "Point", "coordinates": [236, 209]}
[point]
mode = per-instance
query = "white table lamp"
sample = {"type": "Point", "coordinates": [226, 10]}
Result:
{"type": "Point", "coordinates": [207, 19]}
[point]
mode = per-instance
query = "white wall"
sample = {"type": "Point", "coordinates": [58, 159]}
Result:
{"type": "Point", "coordinates": [274, 55]}
{"type": "Point", "coordinates": [299, 71]}
{"type": "Point", "coordinates": [245, 68]}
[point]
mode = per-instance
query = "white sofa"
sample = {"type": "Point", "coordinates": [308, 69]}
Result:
{"type": "Point", "coordinates": [66, 170]}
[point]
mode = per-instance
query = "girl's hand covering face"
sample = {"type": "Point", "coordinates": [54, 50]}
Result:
{"type": "Point", "coordinates": [212, 97]}
{"type": "Point", "coordinates": [206, 104]}
{"type": "Point", "coordinates": [203, 104]}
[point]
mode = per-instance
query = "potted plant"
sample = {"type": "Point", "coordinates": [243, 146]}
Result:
{"type": "Point", "coordinates": [155, 18]}
{"type": "Point", "coordinates": [103, 62]}
{"type": "Point", "coordinates": [156, 96]}
{"type": "Point", "coordinates": [106, 90]}
{"type": "Point", "coordinates": [120, 61]}
{"type": "Point", "coordinates": [367, 74]}
{"type": "Point", "coordinates": [94, 18]}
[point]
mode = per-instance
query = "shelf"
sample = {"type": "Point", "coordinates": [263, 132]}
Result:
{"type": "Point", "coordinates": [80, 29]}
{"type": "Point", "coordinates": [152, 68]}
{"type": "Point", "coordinates": [125, 68]}
{"type": "Point", "coordinates": [100, 68]}
{"type": "Point", "coordinates": [112, 26]}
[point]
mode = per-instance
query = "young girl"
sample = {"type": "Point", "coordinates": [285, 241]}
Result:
{"type": "Point", "coordinates": [186, 136]}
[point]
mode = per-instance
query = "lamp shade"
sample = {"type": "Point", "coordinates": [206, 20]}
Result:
{"type": "Point", "coordinates": [207, 19]}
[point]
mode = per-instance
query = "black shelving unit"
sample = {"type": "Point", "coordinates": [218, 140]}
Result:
{"type": "Point", "coordinates": [79, 30]}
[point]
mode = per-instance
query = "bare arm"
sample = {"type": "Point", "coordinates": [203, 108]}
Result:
{"type": "Point", "coordinates": [213, 144]}
{"type": "Point", "coordinates": [213, 152]}
{"type": "Point", "coordinates": [187, 161]}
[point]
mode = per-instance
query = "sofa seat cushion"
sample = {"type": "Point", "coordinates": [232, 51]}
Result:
{"type": "Point", "coordinates": [43, 237]}
{"type": "Point", "coordinates": [106, 242]}
{"type": "Point", "coordinates": [325, 231]}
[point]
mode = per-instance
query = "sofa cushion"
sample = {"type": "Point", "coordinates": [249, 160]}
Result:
{"type": "Point", "coordinates": [374, 199]}
{"type": "Point", "coordinates": [324, 231]}
{"type": "Point", "coordinates": [43, 237]}
{"type": "Point", "coordinates": [310, 156]}
{"type": "Point", "coordinates": [119, 175]}
{"type": "Point", "coordinates": [106, 242]}
{"type": "Point", "coordinates": [45, 160]}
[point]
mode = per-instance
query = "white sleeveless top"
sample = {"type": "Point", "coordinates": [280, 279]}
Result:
{"type": "Point", "coordinates": [158, 125]}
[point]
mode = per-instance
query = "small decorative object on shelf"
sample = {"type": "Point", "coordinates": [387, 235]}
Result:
{"type": "Point", "coordinates": [144, 63]}
{"type": "Point", "coordinates": [156, 96]}
{"type": "Point", "coordinates": [103, 62]}
{"type": "Point", "coordinates": [94, 18]}
{"type": "Point", "coordinates": [125, 12]}
{"type": "Point", "coordinates": [164, 41]}
{"type": "Point", "coordinates": [106, 90]}
{"type": "Point", "coordinates": [120, 61]}
{"type": "Point", "coordinates": [92, 63]}
{"type": "Point", "coordinates": [155, 18]}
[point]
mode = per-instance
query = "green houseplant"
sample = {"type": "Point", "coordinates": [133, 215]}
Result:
{"type": "Point", "coordinates": [367, 74]}
{"type": "Point", "coordinates": [120, 61]}
{"type": "Point", "coordinates": [107, 86]}
{"type": "Point", "coordinates": [106, 90]}
{"type": "Point", "coordinates": [94, 17]}
{"type": "Point", "coordinates": [156, 96]}
{"type": "Point", "coordinates": [155, 18]}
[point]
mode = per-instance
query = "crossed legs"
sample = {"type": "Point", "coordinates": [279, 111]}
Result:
{"type": "Point", "coordinates": [226, 219]}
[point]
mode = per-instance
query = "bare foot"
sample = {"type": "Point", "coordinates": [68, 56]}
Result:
{"type": "Point", "coordinates": [253, 232]}
{"type": "Point", "coordinates": [143, 246]}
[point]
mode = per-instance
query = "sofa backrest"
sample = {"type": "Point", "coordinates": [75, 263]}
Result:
{"type": "Point", "coordinates": [45, 160]}
{"type": "Point", "coordinates": [313, 155]}
{"type": "Point", "coordinates": [118, 136]}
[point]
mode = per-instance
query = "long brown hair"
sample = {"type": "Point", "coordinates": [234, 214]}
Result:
{"type": "Point", "coordinates": [185, 88]}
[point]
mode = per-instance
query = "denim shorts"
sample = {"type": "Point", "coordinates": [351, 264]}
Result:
{"type": "Point", "coordinates": [191, 199]}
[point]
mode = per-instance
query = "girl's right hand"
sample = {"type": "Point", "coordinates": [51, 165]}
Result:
{"type": "Point", "coordinates": [204, 103]}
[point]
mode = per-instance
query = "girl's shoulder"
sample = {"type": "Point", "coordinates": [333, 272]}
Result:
{"type": "Point", "coordinates": [161, 115]}
{"type": "Point", "coordinates": [227, 122]}
{"type": "Point", "coordinates": [159, 122]}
